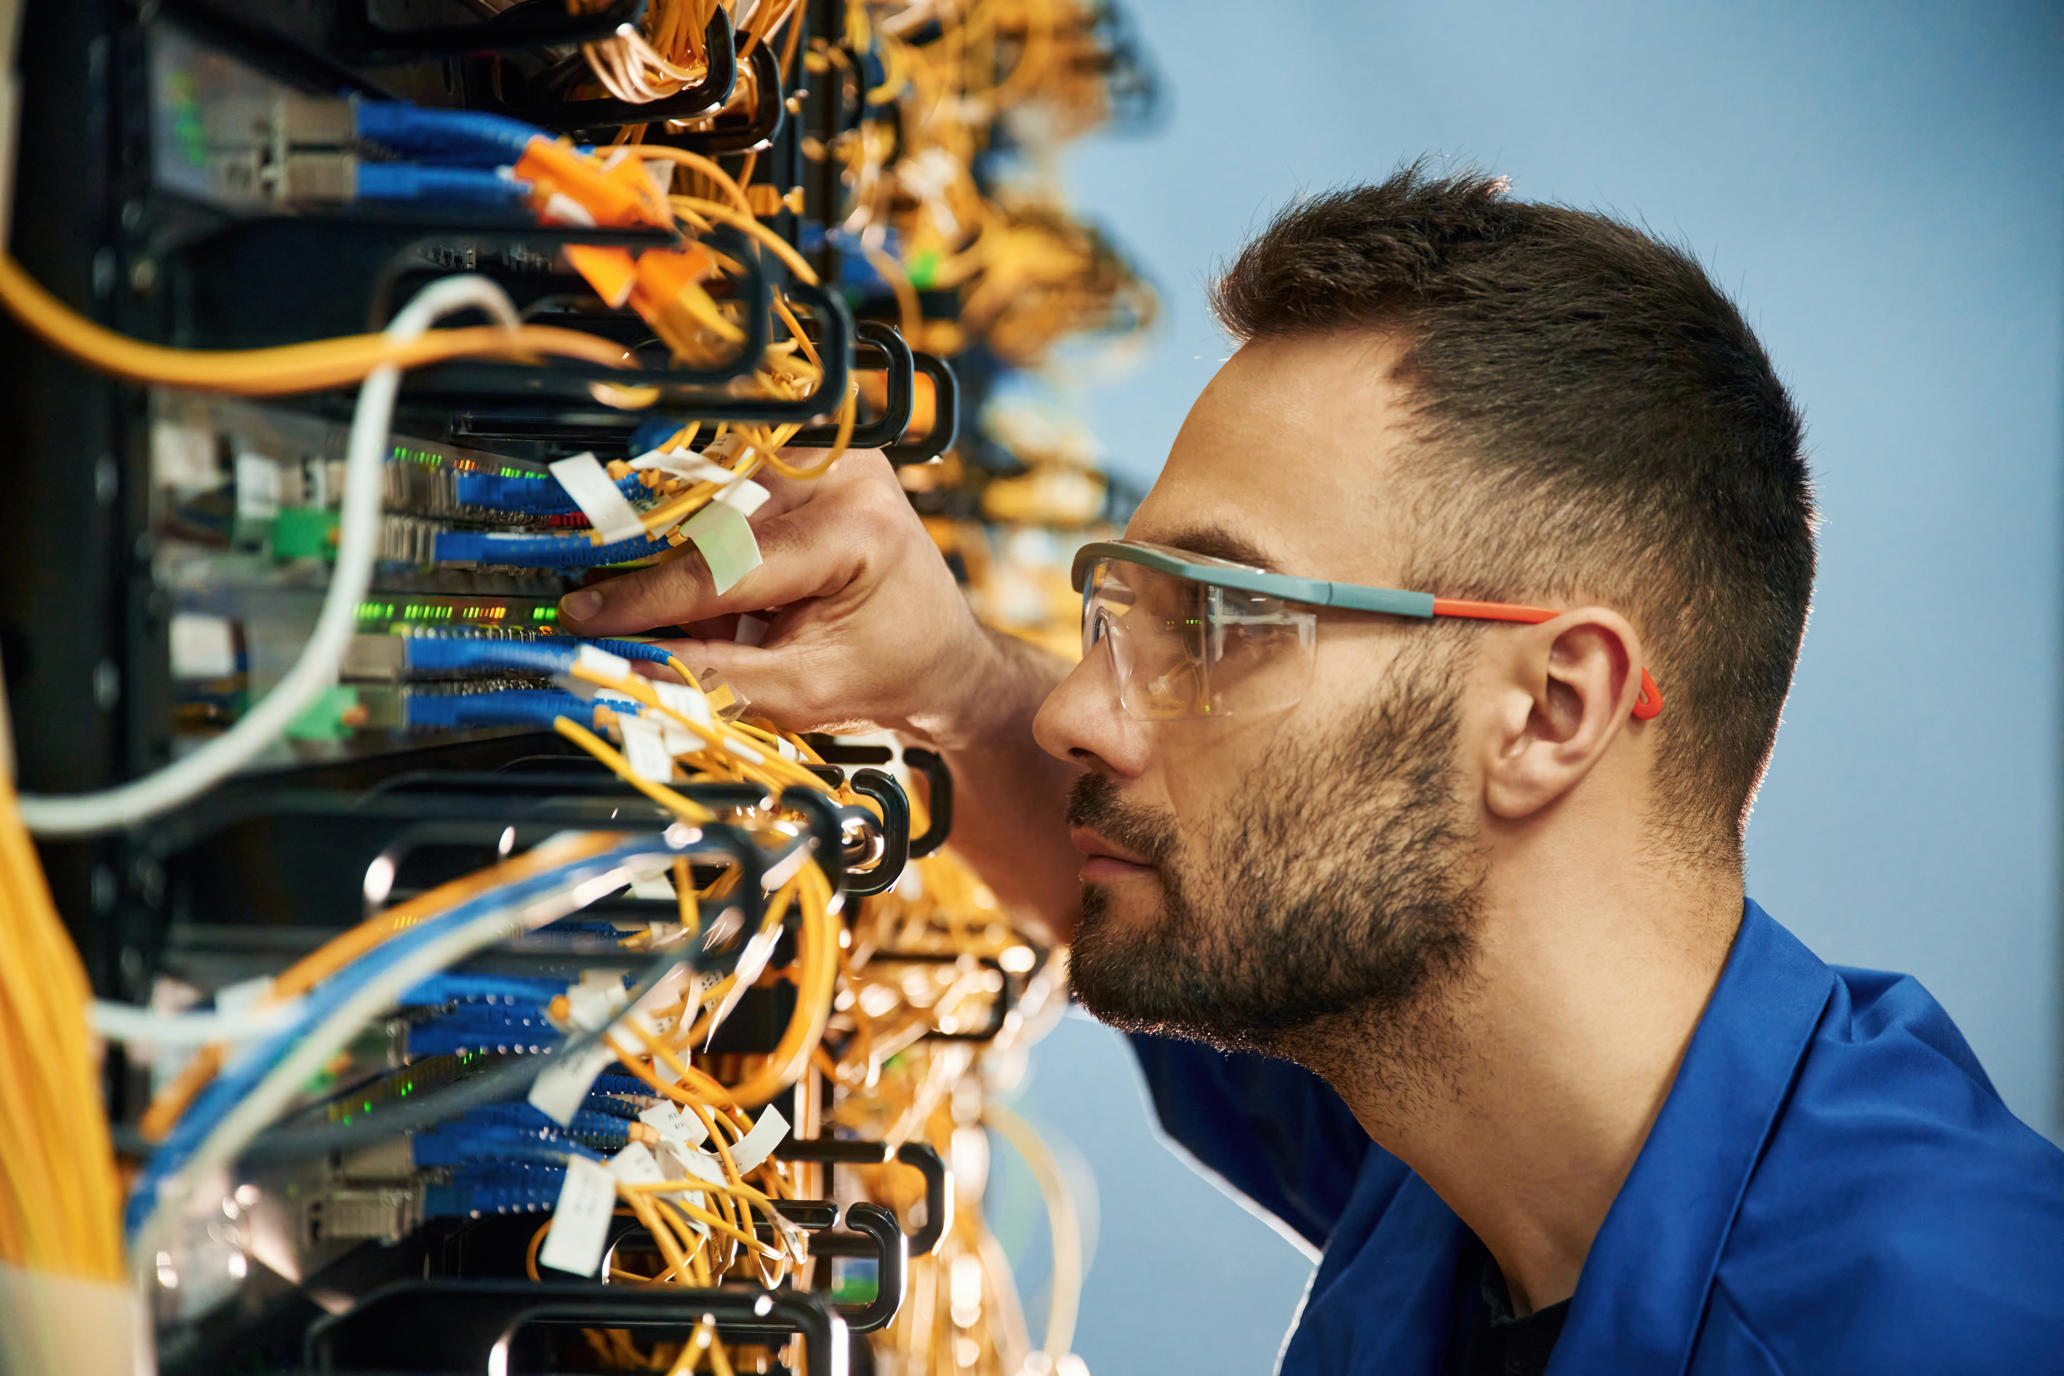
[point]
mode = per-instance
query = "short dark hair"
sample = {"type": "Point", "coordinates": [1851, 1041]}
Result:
{"type": "Point", "coordinates": [1601, 421]}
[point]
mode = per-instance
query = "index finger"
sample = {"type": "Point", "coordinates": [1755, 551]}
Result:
{"type": "Point", "coordinates": [795, 564]}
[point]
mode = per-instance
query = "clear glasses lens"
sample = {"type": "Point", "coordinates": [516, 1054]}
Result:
{"type": "Point", "coordinates": [1188, 649]}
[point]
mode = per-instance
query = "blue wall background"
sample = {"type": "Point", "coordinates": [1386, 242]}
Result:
{"type": "Point", "coordinates": [1883, 188]}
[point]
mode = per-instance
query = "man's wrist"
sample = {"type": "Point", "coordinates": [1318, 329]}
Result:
{"type": "Point", "coordinates": [995, 694]}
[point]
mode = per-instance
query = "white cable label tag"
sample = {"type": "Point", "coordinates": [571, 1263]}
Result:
{"type": "Point", "coordinates": [202, 646]}
{"type": "Point", "coordinates": [580, 1220]}
{"type": "Point", "coordinates": [645, 750]}
{"type": "Point", "coordinates": [724, 535]}
{"type": "Point", "coordinates": [653, 886]}
{"type": "Point", "coordinates": [611, 668]}
{"type": "Point", "coordinates": [257, 487]}
{"type": "Point", "coordinates": [558, 1092]}
{"type": "Point", "coordinates": [751, 961]}
{"type": "Point", "coordinates": [672, 1125]}
{"type": "Point", "coordinates": [751, 1150]}
{"type": "Point", "coordinates": [744, 496]}
{"type": "Point", "coordinates": [686, 700]}
{"type": "Point", "coordinates": [590, 1005]}
{"type": "Point", "coordinates": [562, 209]}
{"type": "Point", "coordinates": [687, 464]}
{"type": "Point", "coordinates": [596, 494]}
{"type": "Point", "coordinates": [684, 1162]}
{"type": "Point", "coordinates": [634, 1165]}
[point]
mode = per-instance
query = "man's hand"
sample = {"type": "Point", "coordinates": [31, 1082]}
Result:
{"type": "Point", "coordinates": [868, 629]}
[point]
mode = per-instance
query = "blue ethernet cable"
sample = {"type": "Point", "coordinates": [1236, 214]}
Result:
{"type": "Point", "coordinates": [534, 496]}
{"type": "Point", "coordinates": [461, 1143]}
{"type": "Point", "coordinates": [515, 1019]}
{"type": "Point", "coordinates": [651, 434]}
{"type": "Point", "coordinates": [455, 138]}
{"type": "Point", "coordinates": [533, 1189]}
{"type": "Point", "coordinates": [855, 270]}
{"type": "Point", "coordinates": [503, 707]}
{"type": "Point", "coordinates": [542, 551]}
{"type": "Point", "coordinates": [515, 990]}
{"type": "Point", "coordinates": [451, 1037]}
{"type": "Point", "coordinates": [245, 1074]}
{"type": "Point", "coordinates": [609, 1131]}
{"type": "Point", "coordinates": [608, 1105]}
{"type": "Point", "coordinates": [437, 654]}
{"type": "Point", "coordinates": [578, 927]}
{"type": "Point", "coordinates": [632, 649]}
{"type": "Point", "coordinates": [404, 181]}
{"type": "Point", "coordinates": [610, 1084]}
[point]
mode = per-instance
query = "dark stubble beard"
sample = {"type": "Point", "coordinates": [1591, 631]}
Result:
{"type": "Point", "coordinates": [1332, 896]}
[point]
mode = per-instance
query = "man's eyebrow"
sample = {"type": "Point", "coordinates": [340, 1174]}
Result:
{"type": "Point", "coordinates": [1216, 542]}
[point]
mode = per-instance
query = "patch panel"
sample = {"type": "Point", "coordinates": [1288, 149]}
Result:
{"type": "Point", "coordinates": [219, 199]}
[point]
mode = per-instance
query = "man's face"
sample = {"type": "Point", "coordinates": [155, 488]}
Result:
{"type": "Point", "coordinates": [1249, 877]}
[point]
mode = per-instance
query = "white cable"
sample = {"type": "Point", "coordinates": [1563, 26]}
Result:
{"type": "Point", "coordinates": [358, 544]}
{"type": "Point", "coordinates": [274, 1093]}
{"type": "Point", "coordinates": [125, 1022]}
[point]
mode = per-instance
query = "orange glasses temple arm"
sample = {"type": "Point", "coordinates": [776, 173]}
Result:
{"type": "Point", "coordinates": [1647, 703]}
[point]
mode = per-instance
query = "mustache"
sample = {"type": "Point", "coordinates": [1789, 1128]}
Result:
{"type": "Point", "coordinates": [1094, 803]}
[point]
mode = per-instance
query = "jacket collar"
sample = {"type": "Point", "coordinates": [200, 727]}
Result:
{"type": "Point", "coordinates": [1643, 1289]}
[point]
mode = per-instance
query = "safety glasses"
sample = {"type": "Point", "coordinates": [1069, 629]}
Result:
{"type": "Point", "coordinates": [1194, 636]}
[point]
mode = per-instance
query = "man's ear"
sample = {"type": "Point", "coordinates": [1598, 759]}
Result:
{"type": "Point", "coordinates": [1564, 691]}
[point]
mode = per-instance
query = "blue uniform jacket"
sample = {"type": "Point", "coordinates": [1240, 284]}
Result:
{"type": "Point", "coordinates": [1832, 1186]}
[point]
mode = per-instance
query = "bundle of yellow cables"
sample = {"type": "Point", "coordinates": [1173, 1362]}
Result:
{"type": "Point", "coordinates": [60, 1208]}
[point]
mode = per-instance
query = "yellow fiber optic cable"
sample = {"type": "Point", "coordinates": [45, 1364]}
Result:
{"type": "Point", "coordinates": [287, 368]}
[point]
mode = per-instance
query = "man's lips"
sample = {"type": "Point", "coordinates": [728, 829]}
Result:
{"type": "Point", "coordinates": [1103, 860]}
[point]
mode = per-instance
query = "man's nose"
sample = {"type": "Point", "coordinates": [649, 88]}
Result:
{"type": "Point", "coordinates": [1083, 722]}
